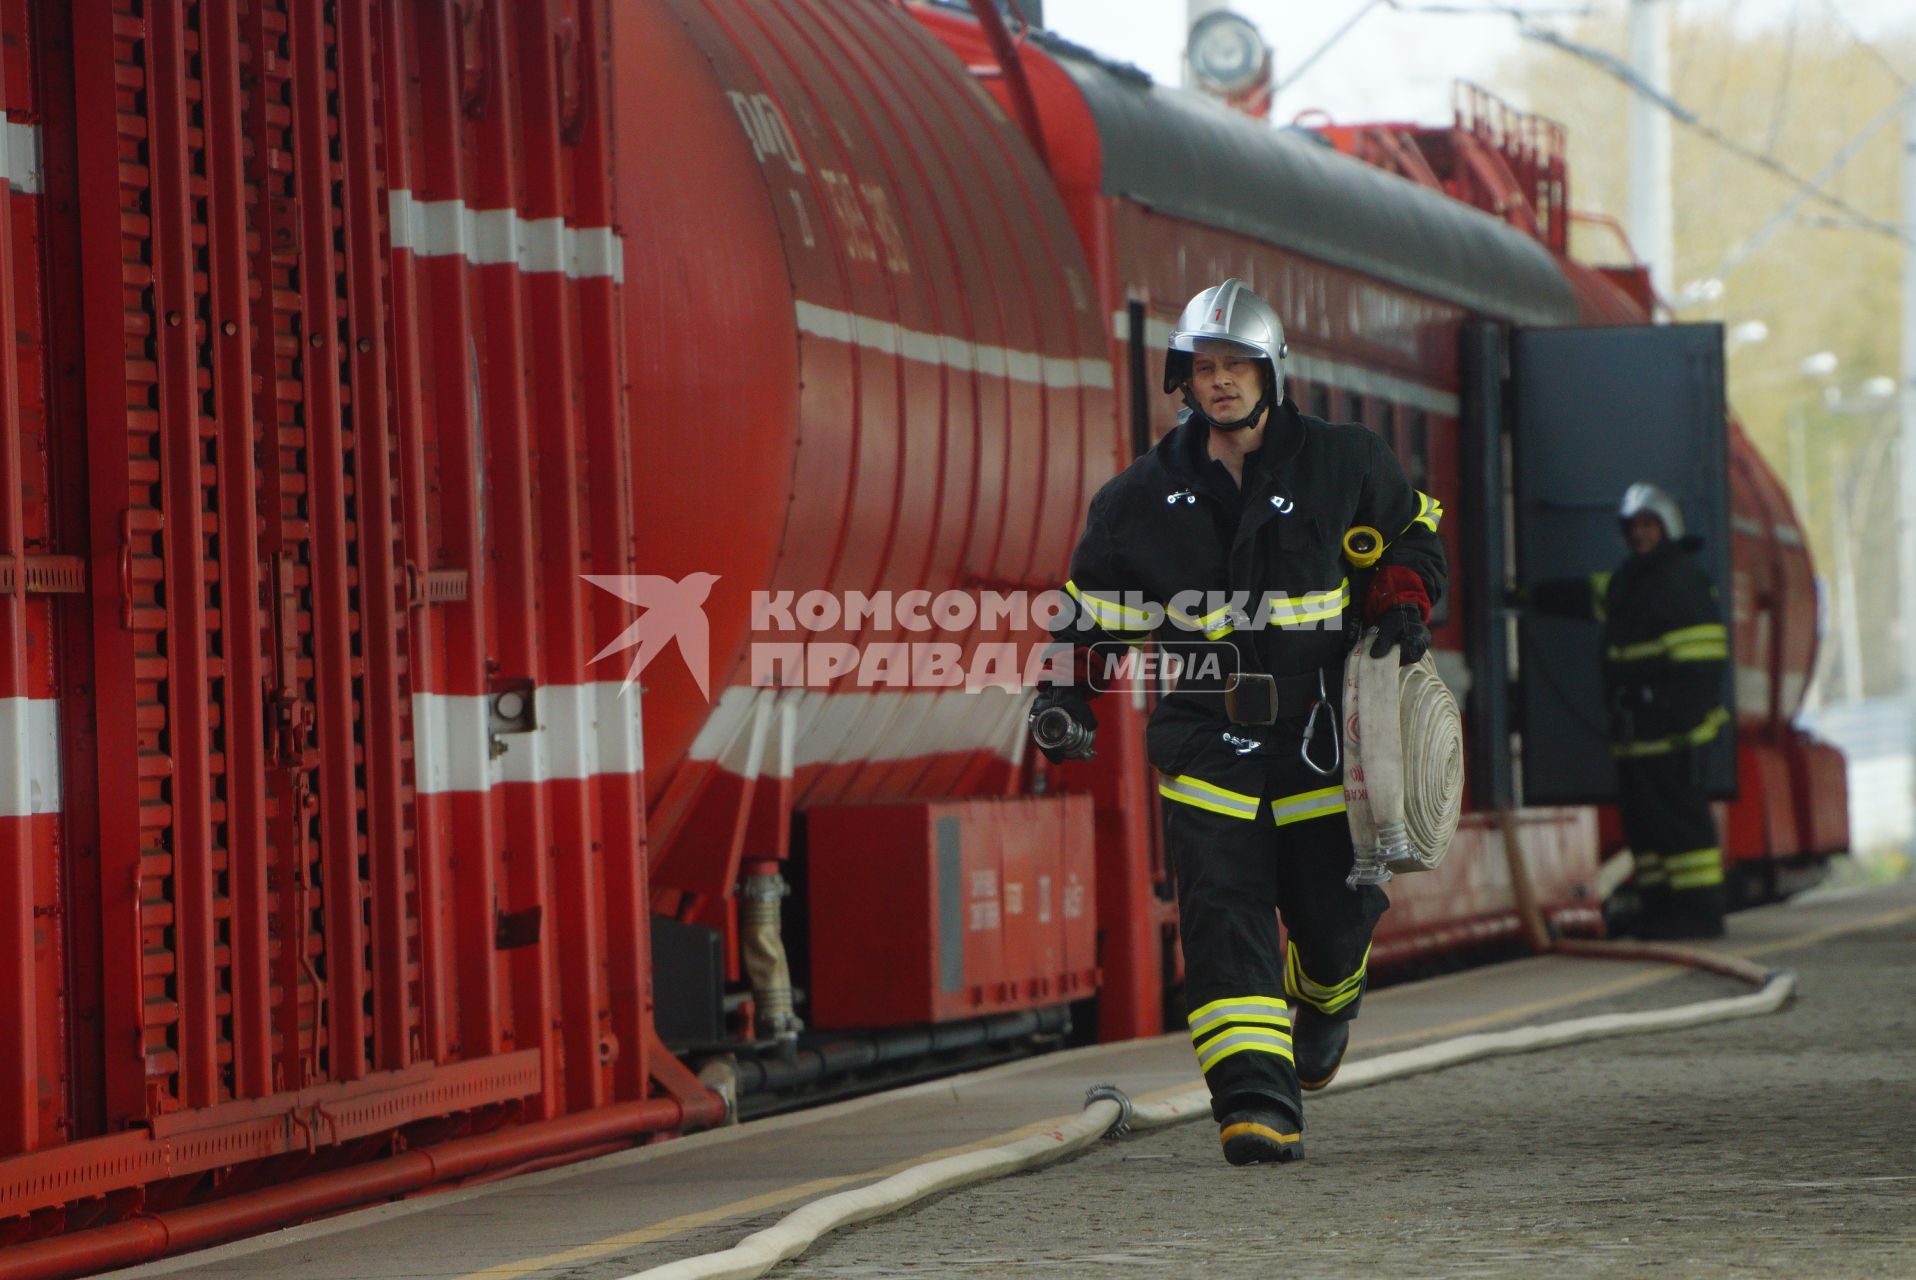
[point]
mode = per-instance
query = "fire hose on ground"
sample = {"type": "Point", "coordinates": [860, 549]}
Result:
{"type": "Point", "coordinates": [1403, 813]}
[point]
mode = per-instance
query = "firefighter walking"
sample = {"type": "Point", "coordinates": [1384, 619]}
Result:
{"type": "Point", "coordinates": [1664, 647]}
{"type": "Point", "coordinates": [1231, 532]}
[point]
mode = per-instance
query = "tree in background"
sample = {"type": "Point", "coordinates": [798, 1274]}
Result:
{"type": "Point", "coordinates": [1798, 93]}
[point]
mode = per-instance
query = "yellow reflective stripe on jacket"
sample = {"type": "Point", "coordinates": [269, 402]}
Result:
{"type": "Point", "coordinates": [1312, 606]}
{"type": "Point", "coordinates": [1702, 643]}
{"type": "Point", "coordinates": [1711, 725]}
{"type": "Point", "coordinates": [1430, 512]}
{"type": "Point", "coordinates": [1600, 596]}
{"type": "Point", "coordinates": [1709, 642]}
{"type": "Point", "coordinates": [1215, 625]}
{"type": "Point", "coordinates": [1248, 1040]}
{"type": "Point", "coordinates": [1194, 791]}
{"type": "Point", "coordinates": [1327, 999]}
{"type": "Point", "coordinates": [1259, 1010]}
{"type": "Point", "coordinates": [1308, 804]}
{"type": "Point", "coordinates": [1697, 869]}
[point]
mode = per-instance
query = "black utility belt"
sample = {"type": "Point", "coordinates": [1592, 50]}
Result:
{"type": "Point", "coordinates": [1254, 698]}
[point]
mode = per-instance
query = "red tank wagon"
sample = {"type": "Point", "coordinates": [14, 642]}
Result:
{"type": "Point", "coordinates": [350, 338]}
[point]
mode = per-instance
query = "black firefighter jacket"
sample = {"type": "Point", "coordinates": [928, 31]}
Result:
{"type": "Point", "coordinates": [1664, 646]}
{"type": "Point", "coordinates": [1173, 548]}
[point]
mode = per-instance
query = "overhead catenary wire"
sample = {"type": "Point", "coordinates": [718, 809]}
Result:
{"type": "Point", "coordinates": [1614, 67]}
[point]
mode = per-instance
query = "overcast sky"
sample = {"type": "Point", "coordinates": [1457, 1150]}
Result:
{"type": "Point", "coordinates": [1394, 64]}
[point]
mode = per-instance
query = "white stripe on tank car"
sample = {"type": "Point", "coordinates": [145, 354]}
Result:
{"type": "Point", "coordinates": [579, 731]}
{"type": "Point", "coordinates": [21, 157]}
{"type": "Point", "coordinates": [861, 727]}
{"type": "Point", "coordinates": [953, 353]}
{"type": "Point", "coordinates": [30, 773]}
{"type": "Point", "coordinates": [494, 237]}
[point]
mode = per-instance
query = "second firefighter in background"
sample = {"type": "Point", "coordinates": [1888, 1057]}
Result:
{"type": "Point", "coordinates": [1251, 499]}
{"type": "Point", "coordinates": [1664, 651]}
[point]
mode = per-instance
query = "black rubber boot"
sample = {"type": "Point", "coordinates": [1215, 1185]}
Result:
{"type": "Point", "coordinates": [1318, 1043]}
{"type": "Point", "coordinates": [1260, 1137]}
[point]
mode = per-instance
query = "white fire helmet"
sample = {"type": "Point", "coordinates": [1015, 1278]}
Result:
{"type": "Point", "coordinates": [1228, 313]}
{"type": "Point", "coordinates": [1645, 498]}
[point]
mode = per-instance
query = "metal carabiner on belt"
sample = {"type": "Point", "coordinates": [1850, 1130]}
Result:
{"type": "Point", "coordinates": [1322, 704]}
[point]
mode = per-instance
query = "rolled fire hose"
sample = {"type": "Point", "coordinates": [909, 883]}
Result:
{"type": "Point", "coordinates": [1403, 764]}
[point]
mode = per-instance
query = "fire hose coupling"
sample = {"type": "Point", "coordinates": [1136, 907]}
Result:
{"type": "Point", "coordinates": [1111, 1093]}
{"type": "Point", "coordinates": [1056, 729]}
{"type": "Point", "coordinates": [765, 888]}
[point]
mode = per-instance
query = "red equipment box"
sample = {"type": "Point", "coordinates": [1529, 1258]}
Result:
{"type": "Point", "coordinates": [950, 909]}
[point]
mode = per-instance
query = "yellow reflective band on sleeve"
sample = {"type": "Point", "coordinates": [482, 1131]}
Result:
{"type": "Point", "coordinates": [1327, 999]}
{"type": "Point", "coordinates": [1312, 606]}
{"type": "Point", "coordinates": [1600, 596]}
{"type": "Point", "coordinates": [1248, 1040]}
{"type": "Point", "coordinates": [1192, 791]}
{"type": "Point", "coordinates": [1113, 616]}
{"type": "Point", "coordinates": [1308, 804]}
{"type": "Point", "coordinates": [1430, 512]}
{"type": "Point", "coordinates": [1697, 869]}
{"type": "Point", "coordinates": [1215, 625]}
{"type": "Point", "coordinates": [1711, 725]}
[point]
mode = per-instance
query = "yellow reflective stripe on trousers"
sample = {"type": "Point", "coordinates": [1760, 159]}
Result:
{"type": "Point", "coordinates": [1194, 791]}
{"type": "Point", "coordinates": [1326, 999]}
{"type": "Point", "coordinates": [1268, 1009]}
{"type": "Point", "coordinates": [1430, 512]}
{"type": "Point", "coordinates": [1312, 606]}
{"type": "Point", "coordinates": [1248, 1040]}
{"type": "Point", "coordinates": [1697, 869]}
{"type": "Point", "coordinates": [1308, 804]}
{"type": "Point", "coordinates": [1600, 596]}
{"type": "Point", "coordinates": [1696, 737]}
{"type": "Point", "coordinates": [1110, 614]}
{"type": "Point", "coordinates": [1649, 867]}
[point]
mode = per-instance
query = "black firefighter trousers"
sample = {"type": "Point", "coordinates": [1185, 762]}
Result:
{"type": "Point", "coordinates": [1673, 842]}
{"type": "Point", "coordinates": [1250, 836]}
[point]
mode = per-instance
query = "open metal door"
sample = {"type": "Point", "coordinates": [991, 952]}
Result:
{"type": "Point", "coordinates": [1592, 411]}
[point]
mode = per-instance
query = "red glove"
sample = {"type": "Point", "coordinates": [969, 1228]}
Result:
{"type": "Point", "coordinates": [1395, 585]}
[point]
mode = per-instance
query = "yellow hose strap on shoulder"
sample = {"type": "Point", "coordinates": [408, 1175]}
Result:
{"type": "Point", "coordinates": [1600, 596]}
{"type": "Point", "coordinates": [1203, 795]}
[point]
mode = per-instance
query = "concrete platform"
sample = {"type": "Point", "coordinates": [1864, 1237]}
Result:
{"type": "Point", "coordinates": [623, 1212]}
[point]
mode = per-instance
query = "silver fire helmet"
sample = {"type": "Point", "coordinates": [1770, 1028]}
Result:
{"type": "Point", "coordinates": [1226, 313]}
{"type": "Point", "coordinates": [1643, 498]}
